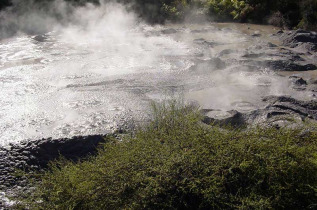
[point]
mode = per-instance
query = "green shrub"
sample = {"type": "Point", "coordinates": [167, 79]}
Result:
{"type": "Point", "coordinates": [178, 163]}
{"type": "Point", "coordinates": [308, 15]}
{"type": "Point", "coordinates": [220, 10]}
{"type": "Point", "coordinates": [175, 10]}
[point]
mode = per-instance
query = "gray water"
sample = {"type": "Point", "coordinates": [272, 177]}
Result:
{"type": "Point", "coordinates": [92, 79]}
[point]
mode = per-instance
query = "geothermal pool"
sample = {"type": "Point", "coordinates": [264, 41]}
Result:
{"type": "Point", "coordinates": [92, 80]}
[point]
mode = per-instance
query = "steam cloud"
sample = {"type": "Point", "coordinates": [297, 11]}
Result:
{"type": "Point", "coordinates": [31, 17]}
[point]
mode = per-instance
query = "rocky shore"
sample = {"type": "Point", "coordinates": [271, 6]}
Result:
{"type": "Point", "coordinates": [280, 111]}
{"type": "Point", "coordinates": [298, 53]}
{"type": "Point", "coordinates": [35, 155]}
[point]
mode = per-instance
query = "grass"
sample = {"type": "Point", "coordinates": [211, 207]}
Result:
{"type": "Point", "coordinates": [175, 162]}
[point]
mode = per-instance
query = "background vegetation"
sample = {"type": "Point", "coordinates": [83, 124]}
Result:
{"type": "Point", "coordinates": [289, 13]}
{"type": "Point", "coordinates": [284, 13]}
{"type": "Point", "coordinates": [177, 163]}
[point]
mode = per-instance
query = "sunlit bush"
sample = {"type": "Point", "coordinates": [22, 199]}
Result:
{"type": "Point", "coordinates": [178, 163]}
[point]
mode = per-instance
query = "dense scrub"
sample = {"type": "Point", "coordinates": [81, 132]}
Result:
{"type": "Point", "coordinates": [177, 163]}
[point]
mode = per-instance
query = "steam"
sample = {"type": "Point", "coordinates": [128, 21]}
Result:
{"type": "Point", "coordinates": [63, 63]}
{"type": "Point", "coordinates": [38, 17]}
{"type": "Point", "coordinates": [29, 17]}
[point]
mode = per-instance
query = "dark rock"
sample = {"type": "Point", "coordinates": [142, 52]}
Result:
{"type": "Point", "coordinates": [40, 38]}
{"type": "Point", "coordinates": [300, 38]}
{"type": "Point", "coordinates": [286, 65]}
{"type": "Point", "coordinates": [206, 43]}
{"type": "Point", "coordinates": [256, 35]}
{"type": "Point", "coordinates": [226, 52]}
{"type": "Point", "coordinates": [206, 65]}
{"type": "Point", "coordinates": [38, 154]}
{"type": "Point", "coordinates": [196, 31]}
{"type": "Point", "coordinates": [199, 54]}
{"type": "Point", "coordinates": [305, 37]}
{"type": "Point", "coordinates": [253, 55]}
{"type": "Point", "coordinates": [270, 44]}
{"type": "Point", "coordinates": [303, 108]}
{"type": "Point", "coordinates": [298, 81]}
{"type": "Point", "coordinates": [234, 119]}
{"type": "Point", "coordinates": [295, 58]}
{"type": "Point", "coordinates": [280, 111]}
{"type": "Point", "coordinates": [169, 31]}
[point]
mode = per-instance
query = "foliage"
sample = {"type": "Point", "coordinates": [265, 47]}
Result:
{"type": "Point", "coordinates": [176, 9]}
{"type": "Point", "coordinates": [309, 15]}
{"type": "Point", "coordinates": [293, 13]}
{"type": "Point", "coordinates": [161, 10]}
{"type": "Point", "coordinates": [177, 163]}
{"type": "Point", "coordinates": [220, 9]}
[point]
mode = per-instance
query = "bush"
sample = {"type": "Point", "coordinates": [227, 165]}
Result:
{"type": "Point", "coordinates": [161, 10]}
{"type": "Point", "coordinates": [293, 13]}
{"type": "Point", "coordinates": [177, 163]}
{"type": "Point", "coordinates": [277, 19]}
{"type": "Point", "coordinates": [308, 15]}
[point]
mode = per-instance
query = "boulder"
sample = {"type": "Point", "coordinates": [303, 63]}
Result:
{"type": "Point", "coordinates": [226, 52]}
{"type": "Point", "coordinates": [298, 81]}
{"type": "Point", "coordinates": [256, 34]}
{"type": "Point", "coordinates": [40, 38]}
{"type": "Point", "coordinates": [253, 55]}
{"type": "Point", "coordinates": [206, 65]}
{"type": "Point", "coordinates": [169, 31]}
{"type": "Point", "coordinates": [305, 37]}
{"type": "Point", "coordinates": [271, 45]}
{"type": "Point", "coordinates": [300, 39]}
{"type": "Point", "coordinates": [232, 118]}
{"type": "Point", "coordinates": [281, 111]}
{"type": "Point", "coordinates": [205, 43]}
{"type": "Point", "coordinates": [287, 65]}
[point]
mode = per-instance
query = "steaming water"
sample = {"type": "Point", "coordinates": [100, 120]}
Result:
{"type": "Point", "coordinates": [87, 81]}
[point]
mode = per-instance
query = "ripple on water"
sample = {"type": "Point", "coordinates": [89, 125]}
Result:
{"type": "Point", "coordinates": [243, 106]}
{"type": "Point", "coordinates": [218, 114]}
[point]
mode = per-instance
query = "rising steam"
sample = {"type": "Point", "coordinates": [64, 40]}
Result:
{"type": "Point", "coordinates": [37, 17]}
